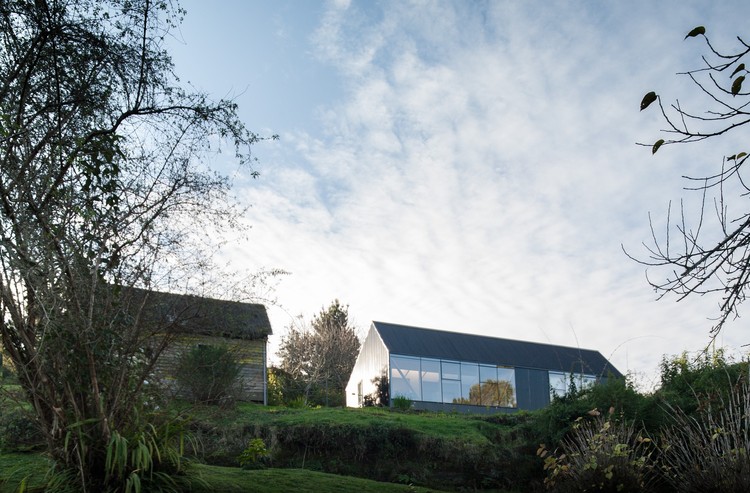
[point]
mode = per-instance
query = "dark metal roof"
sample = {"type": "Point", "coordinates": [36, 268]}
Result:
{"type": "Point", "coordinates": [187, 314]}
{"type": "Point", "coordinates": [429, 343]}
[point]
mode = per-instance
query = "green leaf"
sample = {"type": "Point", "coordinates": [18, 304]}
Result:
{"type": "Point", "coordinates": [737, 85]}
{"type": "Point", "coordinates": [647, 100]}
{"type": "Point", "coordinates": [739, 68]}
{"type": "Point", "coordinates": [696, 31]}
{"type": "Point", "coordinates": [741, 155]}
{"type": "Point", "coordinates": [657, 145]}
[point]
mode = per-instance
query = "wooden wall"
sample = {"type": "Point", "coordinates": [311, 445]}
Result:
{"type": "Point", "coordinates": [250, 354]}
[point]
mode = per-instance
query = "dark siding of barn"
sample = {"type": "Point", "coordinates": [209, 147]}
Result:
{"type": "Point", "coordinates": [532, 388]}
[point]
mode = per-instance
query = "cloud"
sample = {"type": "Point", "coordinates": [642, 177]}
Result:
{"type": "Point", "coordinates": [480, 174]}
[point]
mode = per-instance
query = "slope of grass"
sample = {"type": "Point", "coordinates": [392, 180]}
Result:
{"type": "Point", "coordinates": [467, 428]}
{"type": "Point", "coordinates": [228, 479]}
{"type": "Point", "coordinates": [438, 450]}
{"type": "Point", "coordinates": [441, 450]}
{"type": "Point", "coordinates": [30, 470]}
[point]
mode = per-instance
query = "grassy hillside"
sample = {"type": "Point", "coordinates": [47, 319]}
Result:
{"type": "Point", "coordinates": [450, 451]}
{"type": "Point", "coordinates": [440, 451]}
{"type": "Point", "coordinates": [629, 436]}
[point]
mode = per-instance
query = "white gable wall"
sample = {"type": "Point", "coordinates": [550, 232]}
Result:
{"type": "Point", "coordinates": [371, 362]}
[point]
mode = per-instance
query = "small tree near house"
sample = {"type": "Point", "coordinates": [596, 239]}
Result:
{"type": "Point", "coordinates": [319, 356]}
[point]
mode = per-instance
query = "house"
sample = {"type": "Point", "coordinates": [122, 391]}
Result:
{"type": "Point", "coordinates": [193, 321]}
{"type": "Point", "coordinates": [440, 370]}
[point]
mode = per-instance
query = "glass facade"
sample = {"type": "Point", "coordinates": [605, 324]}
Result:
{"type": "Point", "coordinates": [559, 382]}
{"type": "Point", "coordinates": [431, 388]}
{"type": "Point", "coordinates": [469, 380]}
{"type": "Point", "coordinates": [452, 382]}
{"type": "Point", "coordinates": [451, 379]}
{"type": "Point", "coordinates": [405, 377]}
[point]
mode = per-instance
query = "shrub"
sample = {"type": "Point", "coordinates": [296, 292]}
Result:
{"type": "Point", "coordinates": [145, 457]}
{"type": "Point", "coordinates": [254, 455]}
{"type": "Point", "coordinates": [401, 403]}
{"type": "Point", "coordinates": [208, 374]}
{"type": "Point", "coordinates": [286, 390]}
{"type": "Point", "coordinates": [691, 383]}
{"type": "Point", "coordinates": [711, 452]}
{"type": "Point", "coordinates": [556, 421]}
{"type": "Point", "coordinates": [18, 431]}
{"type": "Point", "coordinates": [298, 403]}
{"type": "Point", "coordinates": [601, 454]}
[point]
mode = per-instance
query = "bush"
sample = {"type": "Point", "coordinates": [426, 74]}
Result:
{"type": "Point", "coordinates": [19, 432]}
{"type": "Point", "coordinates": [255, 454]}
{"type": "Point", "coordinates": [282, 387]}
{"type": "Point", "coordinates": [694, 383]}
{"type": "Point", "coordinates": [556, 421]}
{"type": "Point", "coordinates": [711, 453]}
{"type": "Point", "coordinates": [401, 403]}
{"type": "Point", "coordinates": [208, 374]}
{"type": "Point", "coordinates": [601, 454]}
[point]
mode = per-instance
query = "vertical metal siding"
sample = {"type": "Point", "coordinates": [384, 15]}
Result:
{"type": "Point", "coordinates": [371, 362]}
{"type": "Point", "coordinates": [532, 388]}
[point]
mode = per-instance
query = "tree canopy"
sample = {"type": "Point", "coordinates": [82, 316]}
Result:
{"type": "Point", "coordinates": [319, 356]}
{"type": "Point", "coordinates": [103, 187]}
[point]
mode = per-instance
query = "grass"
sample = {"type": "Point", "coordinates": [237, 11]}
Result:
{"type": "Point", "coordinates": [466, 428]}
{"type": "Point", "coordinates": [229, 479]}
{"type": "Point", "coordinates": [16, 468]}
{"type": "Point", "coordinates": [390, 448]}
{"type": "Point", "coordinates": [449, 451]}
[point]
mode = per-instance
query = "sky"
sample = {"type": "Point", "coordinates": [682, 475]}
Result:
{"type": "Point", "coordinates": [466, 166]}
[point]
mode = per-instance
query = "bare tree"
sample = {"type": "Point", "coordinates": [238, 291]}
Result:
{"type": "Point", "coordinates": [708, 258]}
{"type": "Point", "coordinates": [101, 189]}
{"type": "Point", "coordinates": [321, 355]}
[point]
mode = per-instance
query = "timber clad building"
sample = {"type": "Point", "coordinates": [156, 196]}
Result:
{"type": "Point", "coordinates": [440, 370]}
{"type": "Point", "coordinates": [192, 321]}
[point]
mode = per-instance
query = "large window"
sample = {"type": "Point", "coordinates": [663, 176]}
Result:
{"type": "Point", "coordinates": [451, 378]}
{"type": "Point", "coordinates": [405, 378]}
{"type": "Point", "coordinates": [453, 382]}
{"type": "Point", "coordinates": [560, 382]}
{"type": "Point", "coordinates": [431, 389]}
{"type": "Point", "coordinates": [497, 386]}
{"type": "Point", "coordinates": [469, 381]}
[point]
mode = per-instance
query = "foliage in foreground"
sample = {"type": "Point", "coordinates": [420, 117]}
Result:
{"type": "Point", "coordinates": [701, 447]}
{"type": "Point", "coordinates": [103, 183]}
{"type": "Point", "coordinates": [29, 470]}
{"type": "Point", "coordinates": [710, 452]}
{"type": "Point", "coordinates": [708, 259]}
{"type": "Point", "coordinates": [602, 454]}
{"type": "Point", "coordinates": [496, 452]}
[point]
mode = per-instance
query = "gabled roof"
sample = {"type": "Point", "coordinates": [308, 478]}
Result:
{"type": "Point", "coordinates": [429, 343]}
{"type": "Point", "coordinates": [187, 314]}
